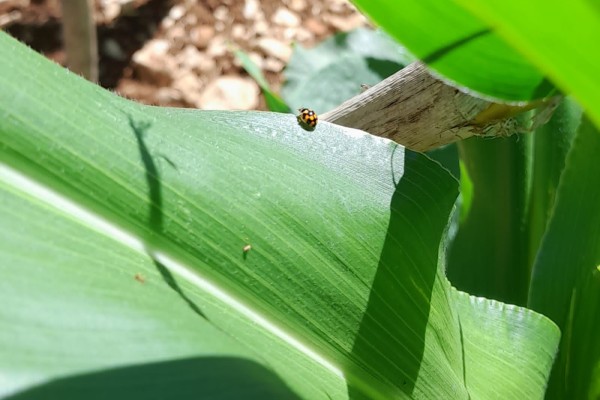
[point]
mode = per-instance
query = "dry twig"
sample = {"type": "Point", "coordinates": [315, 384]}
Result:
{"type": "Point", "coordinates": [421, 112]}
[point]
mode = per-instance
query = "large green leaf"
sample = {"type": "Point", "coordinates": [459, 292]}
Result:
{"type": "Point", "coordinates": [459, 46]}
{"type": "Point", "coordinates": [77, 324]}
{"type": "Point", "coordinates": [566, 279]}
{"type": "Point", "coordinates": [122, 262]}
{"type": "Point", "coordinates": [560, 38]}
{"type": "Point", "coordinates": [483, 340]}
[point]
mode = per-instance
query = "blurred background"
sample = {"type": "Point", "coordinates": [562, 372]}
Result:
{"type": "Point", "coordinates": [182, 52]}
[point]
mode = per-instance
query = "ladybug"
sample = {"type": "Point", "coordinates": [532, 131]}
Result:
{"type": "Point", "coordinates": [308, 117]}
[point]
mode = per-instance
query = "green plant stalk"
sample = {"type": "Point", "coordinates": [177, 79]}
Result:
{"type": "Point", "coordinates": [566, 282]}
{"type": "Point", "coordinates": [490, 253]}
{"type": "Point", "coordinates": [552, 142]}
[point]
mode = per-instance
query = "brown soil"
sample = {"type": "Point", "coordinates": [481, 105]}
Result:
{"type": "Point", "coordinates": [198, 35]}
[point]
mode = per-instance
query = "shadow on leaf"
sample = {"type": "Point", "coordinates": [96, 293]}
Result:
{"type": "Point", "coordinates": [195, 378]}
{"type": "Point", "coordinates": [155, 217]}
{"type": "Point", "coordinates": [391, 339]}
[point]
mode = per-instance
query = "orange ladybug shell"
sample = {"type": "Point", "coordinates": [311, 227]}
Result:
{"type": "Point", "coordinates": [308, 117]}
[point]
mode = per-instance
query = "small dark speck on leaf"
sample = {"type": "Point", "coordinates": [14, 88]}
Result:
{"type": "Point", "coordinates": [246, 249]}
